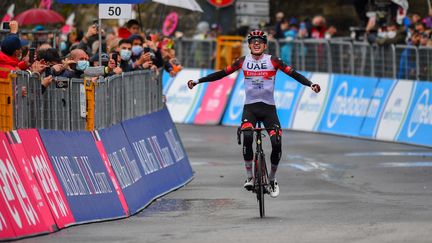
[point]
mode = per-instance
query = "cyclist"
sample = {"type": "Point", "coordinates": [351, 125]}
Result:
{"type": "Point", "coordinates": [259, 71]}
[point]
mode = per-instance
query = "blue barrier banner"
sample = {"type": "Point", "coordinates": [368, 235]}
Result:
{"type": "Point", "coordinates": [347, 104]}
{"type": "Point", "coordinates": [417, 126]}
{"type": "Point", "coordinates": [82, 175]}
{"type": "Point", "coordinates": [128, 172]}
{"type": "Point", "coordinates": [287, 93]}
{"type": "Point", "coordinates": [234, 109]}
{"type": "Point", "coordinates": [374, 112]}
{"type": "Point", "coordinates": [159, 152]}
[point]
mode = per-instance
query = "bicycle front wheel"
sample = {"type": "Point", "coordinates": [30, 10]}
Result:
{"type": "Point", "coordinates": [260, 184]}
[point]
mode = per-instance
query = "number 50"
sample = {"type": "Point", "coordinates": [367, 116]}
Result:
{"type": "Point", "coordinates": [114, 11]}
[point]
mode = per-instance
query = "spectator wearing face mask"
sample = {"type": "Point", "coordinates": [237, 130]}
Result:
{"type": "Point", "coordinates": [78, 65]}
{"type": "Point", "coordinates": [125, 51]}
{"type": "Point", "coordinates": [393, 34]}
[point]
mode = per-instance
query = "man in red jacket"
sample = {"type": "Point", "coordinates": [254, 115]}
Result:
{"type": "Point", "coordinates": [10, 55]}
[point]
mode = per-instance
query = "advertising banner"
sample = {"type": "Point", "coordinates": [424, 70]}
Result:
{"type": "Point", "coordinates": [379, 98]}
{"type": "Point", "coordinates": [234, 109]}
{"type": "Point", "coordinates": [395, 111]}
{"type": "Point", "coordinates": [46, 177]}
{"type": "Point", "coordinates": [16, 195]}
{"type": "Point", "coordinates": [167, 80]}
{"type": "Point", "coordinates": [82, 175]}
{"type": "Point", "coordinates": [6, 230]}
{"type": "Point", "coordinates": [111, 174]}
{"type": "Point", "coordinates": [213, 104]}
{"type": "Point", "coordinates": [182, 102]}
{"type": "Point", "coordinates": [28, 178]}
{"type": "Point", "coordinates": [417, 127]}
{"type": "Point", "coordinates": [311, 105]}
{"type": "Point", "coordinates": [159, 151]}
{"type": "Point", "coordinates": [347, 105]}
{"type": "Point", "coordinates": [287, 93]}
{"type": "Point", "coordinates": [128, 172]}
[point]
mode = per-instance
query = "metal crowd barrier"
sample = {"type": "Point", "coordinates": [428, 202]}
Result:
{"type": "Point", "coordinates": [339, 55]}
{"type": "Point", "coordinates": [196, 53]}
{"type": "Point", "coordinates": [126, 96]}
{"type": "Point", "coordinates": [84, 104]}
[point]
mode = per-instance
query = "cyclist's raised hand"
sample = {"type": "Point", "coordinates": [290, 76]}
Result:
{"type": "Point", "coordinates": [316, 88]}
{"type": "Point", "coordinates": [191, 84]}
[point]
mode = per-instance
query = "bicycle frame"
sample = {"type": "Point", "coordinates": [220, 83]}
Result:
{"type": "Point", "coordinates": [260, 168]}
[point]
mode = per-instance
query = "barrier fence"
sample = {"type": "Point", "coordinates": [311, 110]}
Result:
{"type": "Point", "coordinates": [78, 104]}
{"type": "Point", "coordinates": [339, 56]}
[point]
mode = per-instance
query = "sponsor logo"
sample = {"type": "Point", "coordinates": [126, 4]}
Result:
{"type": "Point", "coordinates": [421, 115]}
{"type": "Point", "coordinates": [395, 113]}
{"type": "Point", "coordinates": [11, 186]}
{"type": "Point", "coordinates": [347, 104]}
{"type": "Point", "coordinates": [153, 157]}
{"type": "Point", "coordinates": [79, 178]}
{"type": "Point", "coordinates": [126, 170]}
{"type": "Point", "coordinates": [48, 184]}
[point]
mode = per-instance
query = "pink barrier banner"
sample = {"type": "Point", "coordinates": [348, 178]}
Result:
{"type": "Point", "coordinates": [28, 177]}
{"type": "Point", "coordinates": [6, 231]}
{"type": "Point", "coordinates": [17, 196]}
{"type": "Point", "coordinates": [107, 164]}
{"type": "Point", "coordinates": [214, 101]}
{"type": "Point", "coordinates": [46, 177]}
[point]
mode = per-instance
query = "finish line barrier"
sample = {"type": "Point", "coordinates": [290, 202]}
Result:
{"type": "Point", "coordinates": [50, 179]}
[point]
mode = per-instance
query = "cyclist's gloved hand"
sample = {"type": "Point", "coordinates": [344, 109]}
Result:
{"type": "Point", "coordinates": [316, 88]}
{"type": "Point", "coordinates": [192, 83]}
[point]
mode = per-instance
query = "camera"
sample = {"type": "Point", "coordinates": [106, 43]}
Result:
{"type": "Point", "coordinates": [5, 26]}
{"type": "Point", "coordinates": [31, 54]}
{"type": "Point", "coordinates": [61, 83]}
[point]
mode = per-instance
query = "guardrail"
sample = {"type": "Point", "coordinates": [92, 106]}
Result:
{"type": "Point", "coordinates": [331, 56]}
{"type": "Point", "coordinates": [81, 104]}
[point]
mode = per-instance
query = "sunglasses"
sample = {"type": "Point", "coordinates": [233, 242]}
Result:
{"type": "Point", "coordinates": [256, 39]}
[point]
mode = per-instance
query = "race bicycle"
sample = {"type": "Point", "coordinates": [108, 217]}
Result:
{"type": "Point", "coordinates": [260, 174]}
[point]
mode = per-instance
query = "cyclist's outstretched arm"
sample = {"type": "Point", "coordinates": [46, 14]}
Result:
{"type": "Point", "coordinates": [279, 64]}
{"type": "Point", "coordinates": [219, 74]}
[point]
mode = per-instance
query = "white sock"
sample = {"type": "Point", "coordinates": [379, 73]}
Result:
{"type": "Point", "coordinates": [248, 166]}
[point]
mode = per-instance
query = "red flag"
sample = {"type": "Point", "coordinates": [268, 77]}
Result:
{"type": "Point", "coordinates": [9, 14]}
{"type": "Point", "coordinates": [46, 4]}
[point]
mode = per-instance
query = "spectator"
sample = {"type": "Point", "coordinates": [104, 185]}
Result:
{"type": "Point", "coordinates": [420, 27]}
{"type": "Point", "coordinates": [290, 33]}
{"type": "Point", "coordinates": [279, 31]}
{"type": "Point", "coordinates": [91, 36]}
{"type": "Point", "coordinates": [133, 26]}
{"type": "Point", "coordinates": [407, 63]}
{"type": "Point", "coordinates": [319, 27]}
{"type": "Point", "coordinates": [78, 65]}
{"type": "Point", "coordinates": [125, 51]}
{"type": "Point", "coordinates": [10, 55]}
{"type": "Point", "coordinates": [393, 35]}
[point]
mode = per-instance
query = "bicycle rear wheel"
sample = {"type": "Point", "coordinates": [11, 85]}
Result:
{"type": "Point", "coordinates": [260, 184]}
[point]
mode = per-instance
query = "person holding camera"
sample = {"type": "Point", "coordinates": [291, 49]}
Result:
{"type": "Point", "coordinates": [78, 65]}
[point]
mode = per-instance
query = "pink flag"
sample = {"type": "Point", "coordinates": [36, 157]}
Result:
{"type": "Point", "coordinates": [46, 4]}
{"type": "Point", "coordinates": [9, 14]}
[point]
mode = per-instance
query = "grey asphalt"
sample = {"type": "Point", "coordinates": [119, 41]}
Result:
{"type": "Point", "coordinates": [333, 189]}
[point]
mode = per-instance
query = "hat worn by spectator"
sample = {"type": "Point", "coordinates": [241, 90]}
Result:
{"type": "Point", "coordinates": [10, 44]}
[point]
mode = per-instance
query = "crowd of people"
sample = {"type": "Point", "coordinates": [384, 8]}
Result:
{"type": "Point", "coordinates": [123, 50]}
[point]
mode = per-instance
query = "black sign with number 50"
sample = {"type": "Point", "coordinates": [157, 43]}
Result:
{"type": "Point", "coordinates": [114, 11]}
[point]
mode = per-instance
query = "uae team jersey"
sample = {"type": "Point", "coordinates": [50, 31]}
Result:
{"type": "Point", "coordinates": [259, 76]}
